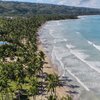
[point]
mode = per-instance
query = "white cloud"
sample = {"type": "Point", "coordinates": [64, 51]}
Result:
{"type": "Point", "coordinates": [83, 3]}
{"type": "Point", "coordinates": [69, 2]}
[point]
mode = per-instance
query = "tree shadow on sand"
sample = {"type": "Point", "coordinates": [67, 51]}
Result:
{"type": "Point", "coordinates": [73, 86]}
{"type": "Point", "coordinates": [65, 80]}
{"type": "Point", "coordinates": [72, 92]}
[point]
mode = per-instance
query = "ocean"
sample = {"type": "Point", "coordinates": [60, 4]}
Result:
{"type": "Point", "coordinates": [74, 47]}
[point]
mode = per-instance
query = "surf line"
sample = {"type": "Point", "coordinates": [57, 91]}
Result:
{"type": "Point", "coordinates": [96, 46]}
{"type": "Point", "coordinates": [84, 61]}
{"type": "Point", "coordinates": [78, 80]}
{"type": "Point", "coordinates": [51, 33]}
{"type": "Point", "coordinates": [56, 41]}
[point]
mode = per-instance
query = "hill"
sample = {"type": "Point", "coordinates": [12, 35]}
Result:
{"type": "Point", "coordinates": [26, 9]}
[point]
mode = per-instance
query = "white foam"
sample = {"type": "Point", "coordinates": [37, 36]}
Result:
{"type": "Point", "coordinates": [82, 17]}
{"type": "Point", "coordinates": [90, 42]}
{"type": "Point", "coordinates": [95, 63]}
{"type": "Point", "coordinates": [70, 46]}
{"type": "Point", "coordinates": [51, 33]}
{"type": "Point", "coordinates": [78, 33]}
{"type": "Point", "coordinates": [61, 52]}
{"type": "Point", "coordinates": [65, 40]}
{"type": "Point", "coordinates": [59, 40]}
{"type": "Point", "coordinates": [78, 52]}
{"type": "Point", "coordinates": [58, 23]}
{"type": "Point", "coordinates": [75, 54]}
{"type": "Point", "coordinates": [54, 58]}
{"type": "Point", "coordinates": [78, 80]}
{"type": "Point", "coordinates": [96, 46]}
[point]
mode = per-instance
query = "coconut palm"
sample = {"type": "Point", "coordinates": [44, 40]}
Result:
{"type": "Point", "coordinates": [34, 88]}
{"type": "Point", "coordinates": [4, 88]}
{"type": "Point", "coordinates": [29, 65]}
{"type": "Point", "coordinates": [52, 97]}
{"type": "Point", "coordinates": [53, 82]}
{"type": "Point", "coordinates": [66, 98]}
{"type": "Point", "coordinates": [20, 79]}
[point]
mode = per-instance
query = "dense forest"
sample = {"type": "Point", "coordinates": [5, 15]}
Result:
{"type": "Point", "coordinates": [22, 9]}
{"type": "Point", "coordinates": [21, 63]}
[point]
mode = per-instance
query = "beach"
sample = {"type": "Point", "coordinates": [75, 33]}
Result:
{"type": "Point", "coordinates": [73, 46]}
{"type": "Point", "coordinates": [50, 68]}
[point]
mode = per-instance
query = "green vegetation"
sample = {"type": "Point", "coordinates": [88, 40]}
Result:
{"type": "Point", "coordinates": [30, 9]}
{"type": "Point", "coordinates": [21, 63]}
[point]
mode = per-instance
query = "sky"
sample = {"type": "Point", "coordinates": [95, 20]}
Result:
{"type": "Point", "coordinates": [80, 3]}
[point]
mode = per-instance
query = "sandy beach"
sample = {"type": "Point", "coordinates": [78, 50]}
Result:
{"type": "Point", "coordinates": [51, 69]}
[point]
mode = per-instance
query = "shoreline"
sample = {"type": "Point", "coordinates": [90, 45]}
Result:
{"type": "Point", "coordinates": [50, 68]}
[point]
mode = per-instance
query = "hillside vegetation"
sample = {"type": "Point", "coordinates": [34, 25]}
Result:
{"type": "Point", "coordinates": [21, 63]}
{"type": "Point", "coordinates": [21, 8]}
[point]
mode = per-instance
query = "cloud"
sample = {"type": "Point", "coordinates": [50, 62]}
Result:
{"type": "Point", "coordinates": [69, 2]}
{"type": "Point", "coordinates": [80, 3]}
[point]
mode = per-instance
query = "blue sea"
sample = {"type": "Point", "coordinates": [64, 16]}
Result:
{"type": "Point", "coordinates": [74, 47]}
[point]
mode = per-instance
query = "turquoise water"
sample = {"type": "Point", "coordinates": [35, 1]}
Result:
{"type": "Point", "coordinates": [74, 46]}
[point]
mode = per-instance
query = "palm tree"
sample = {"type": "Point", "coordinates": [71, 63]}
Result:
{"type": "Point", "coordinates": [34, 88]}
{"type": "Point", "coordinates": [66, 98]}
{"type": "Point", "coordinates": [12, 92]}
{"type": "Point", "coordinates": [20, 79]}
{"type": "Point", "coordinates": [31, 61]}
{"type": "Point", "coordinates": [52, 97]}
{"type": "Point", "coordinates": [4, 88]}
{"type": "Point", "coordinates": [42, 55]}
{"type": "Point", "coordinates": [53, 82]}
{"type": "Point", "coordinates": [4, 79]}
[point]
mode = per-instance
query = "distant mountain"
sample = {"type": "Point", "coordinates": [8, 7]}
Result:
{"type": "Point", "coordinates": [25, 9]}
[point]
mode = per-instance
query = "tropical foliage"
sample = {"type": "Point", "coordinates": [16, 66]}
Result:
{"type": "Point", "coordinates": [30, 9]}
{"type": "Point", "coordinates": [21, 63]}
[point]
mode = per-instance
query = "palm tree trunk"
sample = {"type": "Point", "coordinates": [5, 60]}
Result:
{"type": "Point", "coordinates": [34, 97]}
{"type": "Point", "coordinates": [51, 92]}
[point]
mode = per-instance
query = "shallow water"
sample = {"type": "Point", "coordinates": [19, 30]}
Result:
{"type": "Point", "coordinates": [74, 45]}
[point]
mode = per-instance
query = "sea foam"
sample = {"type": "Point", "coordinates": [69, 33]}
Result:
{"type": "Point", "coordinates": [80, 57]}
{"type": "Point", "coordinates": [59, 40]}
{"type": "Point", "coordinates": [94, 45]}
{"type": "Point", "coordinates": [63, 67]}
{"type": "Point", "coordinates": [58, 23]}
